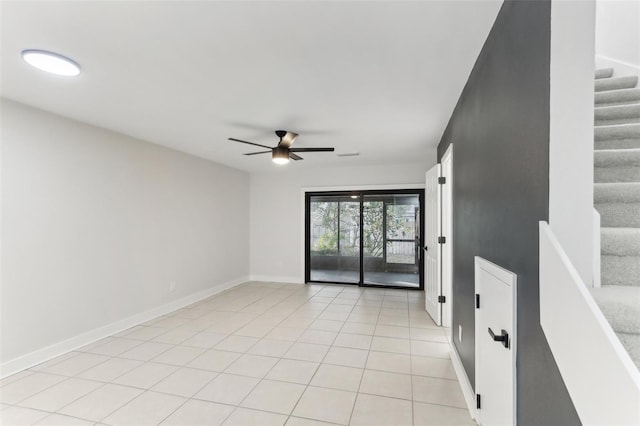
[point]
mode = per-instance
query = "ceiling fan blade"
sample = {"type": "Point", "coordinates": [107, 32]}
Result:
{"type": "Point", "coordinates": [312, 149]}
{"type": "Point", "coordinates": [294, 156]}
{"type": "Point", "coordinates": [250, 143]}
{"type": "Point", "coordinates": [260, 152]}
{"type": "Point", "coordinates": [288, 139]}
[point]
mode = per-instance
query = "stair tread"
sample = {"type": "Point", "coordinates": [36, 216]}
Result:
{"type": "Point", "coordinates": [621, 306]}
{"type": "Point", "coordinates": [603, 73]}
{"type": "Point", "coordinates": [626, 82]}
{"type": "Point", "coordinates": [617, 96]}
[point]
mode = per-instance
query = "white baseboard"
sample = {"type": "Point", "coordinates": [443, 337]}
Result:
{"type": "Point", "coordinates": [276, 279]}
{"type": "Point", "coordinates": [465, 384]}
{"type": "Point", "coordinates": [41, 355]}
{"type": "Point", "coordinates": [620, 68]}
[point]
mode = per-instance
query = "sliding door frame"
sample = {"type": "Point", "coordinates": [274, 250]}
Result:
{"type": "Point", "coordinates": [361, 193]}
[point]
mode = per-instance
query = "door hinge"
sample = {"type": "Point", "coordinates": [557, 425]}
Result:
{"type": "Point", "coordinates": [442, 240]}
{"type": "Point", "coordinates": [442, 180]}
{"type": "Point", "coordinates": [442, 299]}
{"type": "Point", "coordinates": [478, 401]}
{"type": "Point", "coordinates": [477, 301]}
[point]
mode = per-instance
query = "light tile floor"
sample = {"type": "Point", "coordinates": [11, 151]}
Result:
{"type": "Point", "coordinates": [257, 354]}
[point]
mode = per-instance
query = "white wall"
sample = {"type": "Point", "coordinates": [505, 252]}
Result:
{"type": "Point", "coordinates": [618, 35]}
{"type": "Point", "coordinates": [571, 131]}
{"type": "Point", "coordinates": [277, 207]}
{"type": "Point", "coordinates": [95, 225]}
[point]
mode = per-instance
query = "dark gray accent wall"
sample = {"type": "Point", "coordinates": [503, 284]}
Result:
{"type": "Point", "coordinates": [500, 135]}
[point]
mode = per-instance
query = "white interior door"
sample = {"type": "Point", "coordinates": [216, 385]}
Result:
{"type": "Point", "coordinates": [432, 283]}
{"type": "Point", "coordinates": [495, 343]}
{"type": "Point", "coordinates": [447, 232]}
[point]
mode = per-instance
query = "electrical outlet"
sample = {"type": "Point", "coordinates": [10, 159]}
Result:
{"type": "Point", "coordinates": [172, 286]}
{"type": "Point", "coordinates": [459, 333]}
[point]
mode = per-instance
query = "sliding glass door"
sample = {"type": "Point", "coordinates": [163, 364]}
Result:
{"type": "Point", "coordinates": [392, 240]}
{"type": "Point", "coordinates": [334, 239]}
{"type": "Point", "coordinates": [369, 238]}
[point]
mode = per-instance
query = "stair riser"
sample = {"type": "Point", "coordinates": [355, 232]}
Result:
{"type": "Point", "coordinates": [622, 322]}
{"type": "Point", "coordinates": [617, 158]}
{"type": "Point", "coordinates": [612, 122]}
{"type": "Point", "coordinates": [621, 307]}
{"type": "Point", "coordinates": [616, 174]}
{"type": "Point", "coordinates": [620, 242]}
{"type": "Point", "coordinates": [616, 83]}
{"type": "Point", "coordinates": [617, 192]}
{"type": "Point", "coordinates": [620, 270]}
{"type": "Point", "coordinates": [617, 144]}
{"type": "Point", "coordinates": [631, 131]}
{"type": "Point", "coordinates": [617, 97]}
{"type": "Point", "coordinates": [631, 343]}
{"type": "Point", "coordinates": [619, 215]}
{"type": "Point", "coordinates": [618, 113]}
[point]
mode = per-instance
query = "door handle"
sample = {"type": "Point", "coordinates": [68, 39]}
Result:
{"type": "Point", "coordinates": [426, 248]}
{"type": "Point", "coordinates": [502, 337]}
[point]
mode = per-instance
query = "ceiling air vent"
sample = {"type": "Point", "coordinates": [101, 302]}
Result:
{"type": "Point", "coordinates": [348, 154]}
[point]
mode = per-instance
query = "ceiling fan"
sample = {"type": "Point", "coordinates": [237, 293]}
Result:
{"type": "Point", "coordinates": [281, 153]}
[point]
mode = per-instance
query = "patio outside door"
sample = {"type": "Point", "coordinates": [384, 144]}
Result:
{"type": "Point", "coordinates": [368, 238]}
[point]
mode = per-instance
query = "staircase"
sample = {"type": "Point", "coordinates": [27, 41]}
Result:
{"type": "Point", "coordinates": [617, 199]}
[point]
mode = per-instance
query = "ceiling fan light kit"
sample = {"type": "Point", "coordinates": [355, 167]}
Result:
{"type": "Point", "coordinates": [282, 153]}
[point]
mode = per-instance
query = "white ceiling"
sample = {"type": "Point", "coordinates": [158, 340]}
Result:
{"type": "Point", "coordinates": [379, 78]}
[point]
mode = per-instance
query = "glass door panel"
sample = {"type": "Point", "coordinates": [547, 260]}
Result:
{"type": "Point", "coordinates": [391, 249]}
{"type": "Point", "coordinates": [334, 234]}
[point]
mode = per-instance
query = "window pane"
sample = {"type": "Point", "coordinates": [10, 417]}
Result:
{"type": "Point", "coordinates": [350, 228]}
{"type": "Point", "coordinates": [401, 222]}
{"type": "Point", "coordinates": [335, 239]}
{"type": "Point", "coordinates": [324, 228]}
{"type": "Point", "coordinates": [401, 252]}
{"type": "Point", "coordinates": [374, 233]}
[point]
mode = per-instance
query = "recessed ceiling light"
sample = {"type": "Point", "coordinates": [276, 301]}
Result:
{"type": "Point", "coordinates": [51, 62]}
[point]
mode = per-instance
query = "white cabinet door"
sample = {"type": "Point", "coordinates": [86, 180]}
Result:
{"type": "Point", "coordinates": [495, 343]}
{"type": "Point", "coordinates": [432, 282]}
